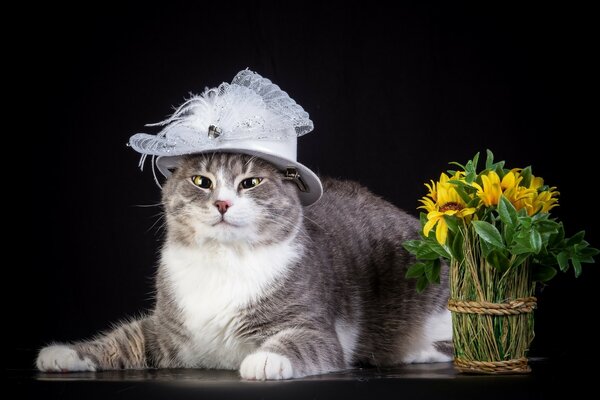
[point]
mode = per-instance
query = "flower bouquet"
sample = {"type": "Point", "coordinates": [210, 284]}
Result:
{"type": "Point", "coordinates": [495, 228]}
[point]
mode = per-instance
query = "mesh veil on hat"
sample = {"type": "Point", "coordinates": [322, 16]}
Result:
{"type": "Point", "coordinates": [250, 115]}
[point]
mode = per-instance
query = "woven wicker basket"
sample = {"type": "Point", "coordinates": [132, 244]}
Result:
{"type": "Point", "coordinates": [492, 315]}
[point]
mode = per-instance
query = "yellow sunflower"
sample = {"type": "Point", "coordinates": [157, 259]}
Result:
{"type": "Point", "coordinates": [441, 201]}
{"type": "Point", "coordinates": [530, 198]}
{"type": "Point", "coordinates": [544, 200]}
{"type": "Point", "coordinates": [513, 191]}
{"type": "Point", "coordinates": [491, 190]}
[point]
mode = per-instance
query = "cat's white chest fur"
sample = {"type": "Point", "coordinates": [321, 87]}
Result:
{"type": "Point", "coordinates": [211, 284]}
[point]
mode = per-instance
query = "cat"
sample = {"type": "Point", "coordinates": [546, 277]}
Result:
{"type": "Point", "coordinates": [250, 280]}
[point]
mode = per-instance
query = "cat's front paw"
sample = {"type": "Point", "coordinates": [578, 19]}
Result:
{"type": "Point", "coordinates": [266, 365]}
{"type": "Point", "coordinates": [61, 358]}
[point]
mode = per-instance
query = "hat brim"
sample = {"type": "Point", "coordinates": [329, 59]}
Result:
{"type": "Point", "coordinates": [309, 178]}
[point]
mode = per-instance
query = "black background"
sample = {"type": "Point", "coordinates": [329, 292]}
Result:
{"type": "Point", "coordinates": [394, 94]}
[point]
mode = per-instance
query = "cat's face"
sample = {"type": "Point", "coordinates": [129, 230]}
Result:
{"type": "Point", "coordinates": [230, 198]}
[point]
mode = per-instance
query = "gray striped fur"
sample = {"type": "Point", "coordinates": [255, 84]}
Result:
{"type": "Point", "coordinates": [350, 274]}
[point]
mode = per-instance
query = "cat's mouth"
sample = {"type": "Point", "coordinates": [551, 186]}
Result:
{"type": "Point", "coordinates": [223, 222]}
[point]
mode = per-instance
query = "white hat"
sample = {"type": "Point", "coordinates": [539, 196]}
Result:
{"type": "Point", "coordinates": [251, 116]}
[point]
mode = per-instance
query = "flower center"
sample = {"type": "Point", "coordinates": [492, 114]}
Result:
{"type": "Point", "coordinates": [451, 206]}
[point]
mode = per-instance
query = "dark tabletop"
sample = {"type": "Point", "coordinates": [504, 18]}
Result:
{"type": "Point", "coordinates": [422, 381]}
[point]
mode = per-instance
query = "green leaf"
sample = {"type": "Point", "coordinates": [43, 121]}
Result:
{"type": "Point", "coordinates": [474, 202]}
{"type": "Point", "coordinates": [545, 240]}
{"type": "Point", "coordinates": [433, 273]}
{"type": "Point", "coordinates": [563, 260]}
{"type": "Point", "coordinates": [488, 233]}
{"type": "Point", "coordinates": [423, 218]}
{"type": "Point", "coordinates": [547, 226]}
{"type": "Point", "coordinates": [457, 246]}
{"type": "Point", "coordinates": [452, 222]}
{"type": "Point", "coordinates": [463, 195]}
{"type": "Point", "coordinates": [498, 260]}
{"type": "Point", "coordinates": [543, 273]}
{"type": "Point", "coordinates": [518, 260]}
{"type": "Point", "coordinates": [576, 266]}
{"type": "Point", "coordinates": [439, 249]}
{"type": "Point", "coordinates": [421, 284]}
{"type": "Point", "coordinates": [522, 238]}
{"type": "Point", "coordinates": [500, 169]}
{"type": "Point", "coordinates": [416, 270]}
{"type": "Point", "coordinates": [588, 252]}
{"type": "Point", "coordinates": [470, 175]}
{"type": "Point", "coordinates": [546, 259]}
{"type": "Point", "coordinates": [412, 245]}
{"type": "Point", "coordinates": [557, 238]}
{"type": "Point", "coordinates": [486, 248]}
{"type": "Point", "coordinates": [519, 250]}
{"type": "Point", "coordinates": [437, 267]}
{"type": "Point", "coordinates": [509, 233]}
{"type": "Point", "coordinates": [507, 212]}
{"type": "Point", "coordinates": [489, 162]}
{"type": "Point", "coordinates": [536, 241]}
{"type": "Point", "coordinates": [575, 239]}
{"type": "Point", "coordinates": [587, 260]}
{"type": "Point", "coordinates": [475, 161]}
{"type": "Point", "coordinates": [458, 182]}
{"type": "Point", "coordinates": [471, 169]}
{"type": "Point", "coordinates": [457, 164]}
{"type": "Point", "coordinates": [526, 174]}
{"type": "Point", "coordinates": [525, 221]}
{"type": "Point", "coordinates": [426, 253]}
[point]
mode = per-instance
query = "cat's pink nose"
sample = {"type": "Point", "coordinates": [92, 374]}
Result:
{"type": "Point", "coordinates": [223, 205]}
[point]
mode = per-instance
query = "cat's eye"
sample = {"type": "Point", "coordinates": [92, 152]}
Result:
{"type": "Point", "coordinates": [249, 183]}
{"type": "Point", "coordinates": [202, 182]}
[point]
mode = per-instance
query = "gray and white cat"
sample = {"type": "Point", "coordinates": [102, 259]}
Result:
{"type": "Point", "coordinates": [252, 281]}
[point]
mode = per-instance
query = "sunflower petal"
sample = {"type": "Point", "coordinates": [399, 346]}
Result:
{"type": "Point", "coordinates": [508, 181]}
{"type": "Point", "coordinates": [434, 214]}
{"type": "Point", "coordinates": [429, 225]}
{"type": "Point", "coordinates": [466, 211]}
{"type": "Point", "coordinates": [441, 232]}
{"type": "Point", "coordinates": [476, 186]}
{"type": "Point", "coordinates": [427, 203]}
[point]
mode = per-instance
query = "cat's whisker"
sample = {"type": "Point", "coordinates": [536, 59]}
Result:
{"type": "Point", "coordinates": [294, 222]}
{"type": "Point", "coordinates": [272, 218]}
{"type": "Point", "coordinates": [314, 222]}
{"type": "Point", "coordinates": [147, 205]}
{"type": "Point", "coordinates": [300, 233]}
{"type": "Point", "coordinates": [160, 218]}
{"type": "Point", "coordinates": [158, 214]}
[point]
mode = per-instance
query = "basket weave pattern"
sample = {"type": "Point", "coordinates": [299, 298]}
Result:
{"type": "Point", "coordinates": [492, 313]}
{"type": "Point", "coordinates": [513, 307]}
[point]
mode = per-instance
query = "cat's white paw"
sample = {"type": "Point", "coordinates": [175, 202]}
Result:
{"type": "Point", "coordinates": [431, 355]}
{"type": "Point", "coordinates": [265, 365]}
{"type": "Point", "coordinates": [61, 358]}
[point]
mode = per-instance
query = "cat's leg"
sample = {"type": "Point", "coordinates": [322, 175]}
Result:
{"type": "Point", "coordinates": [122, 347]}
{"type": "Point", "coordinates": [434, 343]}
{"type": "Point", "coordinates": [294, 353]}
